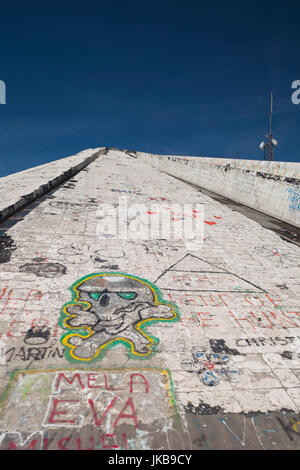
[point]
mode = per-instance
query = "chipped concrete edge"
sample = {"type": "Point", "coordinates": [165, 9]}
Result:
{"type": "Point", "coordinates": [45, 188]}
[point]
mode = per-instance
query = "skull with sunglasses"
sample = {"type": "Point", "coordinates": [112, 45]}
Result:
{"type": "Point", "coordinates": [112, 305]}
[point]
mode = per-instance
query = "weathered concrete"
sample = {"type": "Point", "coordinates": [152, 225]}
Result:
{"type": "Point", "coordinates": [207, 355]}
{"type": "Point", "coordinates": [19, 189]}
{"type": "Point", "coordinates": [270, 187]}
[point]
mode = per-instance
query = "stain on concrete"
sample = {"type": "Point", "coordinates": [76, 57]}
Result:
{"type": "Point", "coordinates": [7, 246]}
{"type": "Point", "coordinates": [44, 269]}
{"type": "Point", "coordinates": [202, 409]}
{"type": "Point", "coordinates": [219, 346]}
{"type": "Point", "coordinates": [237, 431]}
{"type": "Point", "coordinates": [287, 355]}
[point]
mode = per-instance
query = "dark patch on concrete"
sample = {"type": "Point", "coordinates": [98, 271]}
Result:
{"type": "Point", "coordinates": [236, 431]}
{"type": "Point", "coordinates": [130, 153]}
{"type": "Point", "coordinates": [287, 355]}
{"type": "Point", "coordinates": [202, 409]}
{"type": "Point", "coordinates": [269, 176]}
{"type": "Point", "coordinates": [251, 414]}
{"type": "Point", "coordinates": [44, 269]}
{"type": "Point", "coordinates": [7, 246]}
{"type": "Point", "coordinates": [99, 260]}
{"type": "Point", "coordinates": [287, 428]}
{"type": "Point", "coordinates": [289, 235]}
{"type": "Point", "coordinates": [69, 186]}
{"type": "Point", "coordinates": [114, 267]}
{"type": "Point", "coordinates": [285, 179]}
{"type": "Point", "coordinates": [219, 346]}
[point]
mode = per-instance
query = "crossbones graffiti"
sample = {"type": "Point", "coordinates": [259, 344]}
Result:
{"type": "Point", "coordinates": [109, 308]}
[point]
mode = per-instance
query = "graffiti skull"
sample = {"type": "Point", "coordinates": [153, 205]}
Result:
{"type": "Point", "coordinates": [112, 297]}
{"type": "Point", "coordinates": [112, 306]}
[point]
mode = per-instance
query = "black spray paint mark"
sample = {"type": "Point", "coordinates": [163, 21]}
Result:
{"type": "Point", "coordinates": [219, 346]}
{"type": "Point", "coordinates": [37, 335]}
{"type": "Point", "coordinates": [287, 355]}
{"type": "Point", "coordinates": [44, 269]}
{"type": "Point", "coordinates": [7, 246]}
{"type": "Point", "coordinates": [113, 267]}
{"type": "Point", "coordinates": [203, 409]}
{"type": "Point", "coordinates": [34, 354]}
{"type": "Point", "coordinates": [218, 270]}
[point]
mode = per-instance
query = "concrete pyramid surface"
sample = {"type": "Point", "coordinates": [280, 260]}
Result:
{"type": "Point", "coordinates": [115, 339]}
{"type": "Point", "coordinates": [31, 183]}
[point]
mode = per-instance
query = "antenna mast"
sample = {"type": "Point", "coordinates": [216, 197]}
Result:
{"type": "Point", "coordinates": [268, 147]}
{"type": "Point", "coordinates": [271, 112]}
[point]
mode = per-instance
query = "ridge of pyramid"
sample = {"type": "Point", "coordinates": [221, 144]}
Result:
{"type": "Point", "coordinates": [22, 187]}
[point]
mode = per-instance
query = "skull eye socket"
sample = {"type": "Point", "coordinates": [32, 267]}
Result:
{"type": "Point", "coordinates": [95, 295]}
{"type": "Point", "coordinates": [123, 295]}
{"type": "Point", "coordinates": [102, 297]}
{"type": "Point", "coordinates": [127, 295]}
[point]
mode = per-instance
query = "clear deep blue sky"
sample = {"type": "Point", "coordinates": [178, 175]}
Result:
{"type": "Point", "coordinates": [174, 77]}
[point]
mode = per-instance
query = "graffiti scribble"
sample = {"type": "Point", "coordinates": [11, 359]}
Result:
{"type": "Point", "coordinates": [294, 198]}
{"type": "Point", "coordinates": [211, 367]}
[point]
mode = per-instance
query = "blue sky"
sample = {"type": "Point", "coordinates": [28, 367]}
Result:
{"type": "Point", "coordinates": [173, 77]}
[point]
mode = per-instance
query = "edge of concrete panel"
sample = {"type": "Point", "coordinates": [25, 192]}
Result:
{"type": "Point", "coordinates": [261, 185]}
{"type": "Point", "coordinates": [285, 169]}
{"type": "Point", "coordinates": [52, 184]}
